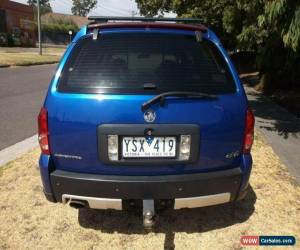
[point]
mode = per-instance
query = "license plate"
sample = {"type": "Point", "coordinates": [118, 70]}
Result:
{"type": "Point", "coordinates": [149, 147]}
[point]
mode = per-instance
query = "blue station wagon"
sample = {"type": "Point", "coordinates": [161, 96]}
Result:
{"type": "Point", "coordinates": [147, 111]}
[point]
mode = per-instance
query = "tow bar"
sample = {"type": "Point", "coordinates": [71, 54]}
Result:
{"type": "Point", "coordinates": [148, 214]}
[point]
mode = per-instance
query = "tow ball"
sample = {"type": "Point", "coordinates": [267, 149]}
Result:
{"type": "Point", "coordinates": [148, 214]}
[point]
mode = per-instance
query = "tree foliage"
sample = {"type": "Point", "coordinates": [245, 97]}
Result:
{"type": "Point", "coordinates": [83, 7]}
{"type": "Point", "coordinates": [59, 26]}
{"type": "Point", "coordinates": [281, 19]}
{"type": "Point", "coordinates": [44, 5]}
{"type": "Point", "coordinates": [270, 28]}
{"type": "Point", "coordinates": [283, 16]}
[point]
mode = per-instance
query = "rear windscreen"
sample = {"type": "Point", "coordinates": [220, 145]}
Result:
{"type": "Point", "coordinates": [141, 62]}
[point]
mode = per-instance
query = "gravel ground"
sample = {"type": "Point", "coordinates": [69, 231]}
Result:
{"type": "Point", "coordinates": [28, 221]}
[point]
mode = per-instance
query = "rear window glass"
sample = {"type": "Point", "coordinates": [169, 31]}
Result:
{"type": "Point", "coordinates": [135, 62]}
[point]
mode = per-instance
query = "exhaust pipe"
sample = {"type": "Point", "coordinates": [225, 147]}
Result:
{"type": "Point", "coordinates": [92, 202]}
{"type": "Point", "coordinates": [77, 203]}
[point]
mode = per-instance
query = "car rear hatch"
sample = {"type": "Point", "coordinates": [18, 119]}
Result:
{"type": "Point", "coordinates": [97, 103]}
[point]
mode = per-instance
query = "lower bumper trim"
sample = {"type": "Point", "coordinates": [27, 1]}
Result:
{"type": "Point", "coordinates": [191, 202]}
{"type": "Point", "coordinates": [95, 202]}
{"type": "Point", "coordinates": [202, 201]}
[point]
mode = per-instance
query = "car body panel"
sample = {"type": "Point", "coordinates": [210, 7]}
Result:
{"type": "Point", "coordinates": [73, 120]}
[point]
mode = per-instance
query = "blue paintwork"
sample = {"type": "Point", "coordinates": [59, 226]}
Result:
{"type": "Point", "coordinates": [74, 118]}
{"type": "Point", "coordinates": [246, 166]}
{"type": "Point", "coordinates": [44, 164]}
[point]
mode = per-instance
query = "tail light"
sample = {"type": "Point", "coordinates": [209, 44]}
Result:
{"type": "Point", "coordinates": [249, 132]}
{"type": "Point", "coordinates": [43, 131]}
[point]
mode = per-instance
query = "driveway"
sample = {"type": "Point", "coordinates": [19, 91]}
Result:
{"type": "Point", "coordinates": [22, 90]}
{"type": "Point", "coordinates": [280, 128]}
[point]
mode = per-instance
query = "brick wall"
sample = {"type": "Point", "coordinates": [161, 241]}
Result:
{"type": "Point", "coordinates": [20, 19]}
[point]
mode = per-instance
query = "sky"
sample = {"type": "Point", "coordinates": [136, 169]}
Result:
{"type": "Point", "coordinates": [104, 7]}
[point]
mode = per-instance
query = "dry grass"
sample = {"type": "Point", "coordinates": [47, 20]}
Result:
{"type": "Point", "coordinates": [30, 57]}
{"type": "Point", "coordinates": [28, 221]}
{"type": "Point", "coordinates": [54, 50]}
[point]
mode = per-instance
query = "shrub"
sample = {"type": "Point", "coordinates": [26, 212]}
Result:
{"type": "Point", "coordinates": [59, 26]}
{"type": "Point", "coordinates": [10, 40]}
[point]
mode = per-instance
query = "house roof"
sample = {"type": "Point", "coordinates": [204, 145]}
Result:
{"type": "Point", "coordinates": [11, 5]}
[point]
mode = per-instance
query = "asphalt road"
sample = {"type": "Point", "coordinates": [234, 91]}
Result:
{"type": "Point", "coordinates": [280, 128]}
{"type": "Point", "coordinates": [22, 92]}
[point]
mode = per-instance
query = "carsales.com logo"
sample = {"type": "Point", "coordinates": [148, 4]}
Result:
{"type": "Point", "coordinates": [254, 240]}
{"type": "Point", "coordinates": [250, 240]}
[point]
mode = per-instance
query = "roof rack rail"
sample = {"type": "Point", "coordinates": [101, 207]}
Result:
{"type": "Point", "coordinates": [105, 19]}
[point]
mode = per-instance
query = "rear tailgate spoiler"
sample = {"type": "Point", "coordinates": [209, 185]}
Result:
{"type": "Point", "coordinates": [143, 22]}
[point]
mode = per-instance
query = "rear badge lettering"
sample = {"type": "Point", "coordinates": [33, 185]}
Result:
{"type": "Point", "coordinates": [73, 157]}
{"type": "Point", "coordinates": [232, 154]}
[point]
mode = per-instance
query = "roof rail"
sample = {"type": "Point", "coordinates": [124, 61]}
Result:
{"type": "Point", "coordinates": [105, 19]}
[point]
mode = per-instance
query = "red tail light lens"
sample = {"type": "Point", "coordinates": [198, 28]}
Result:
{"type": "Point", "coordinates": [43, 131]}
{"type": "Point", "coordinates": [249, 132]}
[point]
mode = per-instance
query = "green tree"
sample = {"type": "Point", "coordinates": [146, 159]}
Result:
{"type": "Point", "coordinates": [283, 17]}
{"type": "Point", "coordinates": [83, 7]}
{"type": "Point", "coordinates": [212, 12]}
{"type": "Point", "coordinates": [44, 4]}
{"type": "Point", "coordinates": [240, 23]}
{"type": "Point", "coordinates": [270, 28]}
{"type": "Point", "coordinates": [280, 57]}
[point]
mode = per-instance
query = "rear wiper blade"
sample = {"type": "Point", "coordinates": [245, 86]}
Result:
{"type": "Point", "coordinates": [161, 97]}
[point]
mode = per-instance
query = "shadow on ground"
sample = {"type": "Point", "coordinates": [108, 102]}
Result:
{"type": "Point", "coordinates": [170, 221]}
{"type": "Point", "coordinates": [269, 115]}
{"type": "Point", "coordinates": [272, 117]}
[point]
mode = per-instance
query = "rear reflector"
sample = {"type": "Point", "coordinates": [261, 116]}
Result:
{"type": "Point", "coordinates": [113, 147]}
{"type": "Point", "coordinates": [43, 131]}
{"type": "Point", "coordinates": [249, 132]}
{"type": "Point", "coordinates": [185, 147]}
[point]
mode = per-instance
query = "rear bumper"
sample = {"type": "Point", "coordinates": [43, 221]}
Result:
{"type": "Point", "coordinates": [189, 190]}
{"type": "Point", "coordinates": [108, 203]}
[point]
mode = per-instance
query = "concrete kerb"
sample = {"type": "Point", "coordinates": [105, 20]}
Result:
{"type": "Point", "coordinates": [15, 151]}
